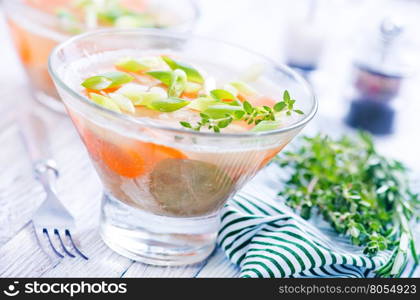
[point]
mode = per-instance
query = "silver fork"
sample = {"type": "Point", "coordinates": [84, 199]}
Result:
{"type": "Point", "coordinates": [51, 218]}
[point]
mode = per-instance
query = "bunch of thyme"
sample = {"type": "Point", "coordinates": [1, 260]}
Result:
{"type": "Point", "coordinates": [361, 193]}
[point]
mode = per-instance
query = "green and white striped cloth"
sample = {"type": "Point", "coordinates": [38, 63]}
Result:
{"type": "Point", "coordinates": [266, 239]}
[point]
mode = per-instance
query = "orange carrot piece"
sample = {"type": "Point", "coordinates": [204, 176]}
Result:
{"type": "Point", "coordinates": [108, 90]}
{"type": "Point", "coordinates": [131, 160]}
{"type": "Point", "coordinates": [124, 161]}
{"type": "Point", "coordinates": [190, 96]}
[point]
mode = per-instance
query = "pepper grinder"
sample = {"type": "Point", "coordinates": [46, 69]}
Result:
{"type": "Point", "coordinates": [379, 72]}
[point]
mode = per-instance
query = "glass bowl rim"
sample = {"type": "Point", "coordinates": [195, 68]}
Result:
{"type": "Point", "coordinates": [166, 33]}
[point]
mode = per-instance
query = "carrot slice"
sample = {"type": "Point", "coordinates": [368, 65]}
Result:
{"type": "Point", "coordinates": [108, 90]}
{"type": "Point", "coordinates": [242, 98]}
{"type": "Point", "coordinates": [163, 152]}
{"type": "Point", "coordinates": [227, 100]}
{"type": "Point", "coordinates": [129, 160]}
{"type": "Point", "coordinates": [125, 161]}
{"type": "Point", "coordinates": [189, 95]}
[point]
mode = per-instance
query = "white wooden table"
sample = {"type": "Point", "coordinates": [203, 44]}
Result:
{"type": "Point", "coordinates": [256, 24]}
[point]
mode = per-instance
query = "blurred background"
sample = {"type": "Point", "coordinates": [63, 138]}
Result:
{"type": "Point", "coordinates": [336, 39]}
{"type": "Point", "coordinates": [362, 58]}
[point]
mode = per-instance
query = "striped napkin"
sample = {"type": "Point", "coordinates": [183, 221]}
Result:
{"type": "Point", "coordinates": [266, 239]}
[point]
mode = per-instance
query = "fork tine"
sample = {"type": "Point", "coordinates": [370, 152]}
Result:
{"type": "Point", "coordinates": [74, 245]}
{"type": "Point", "coordinates": [62, 244]}
{"type": "Point", "coordinates": [45, 232]}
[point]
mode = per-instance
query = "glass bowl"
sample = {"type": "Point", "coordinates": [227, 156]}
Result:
{"type": "Point", "coordinates": [164, 186]}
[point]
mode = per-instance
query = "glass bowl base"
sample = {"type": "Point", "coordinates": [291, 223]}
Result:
{"type": "Point", "coordinates": [156, 240]}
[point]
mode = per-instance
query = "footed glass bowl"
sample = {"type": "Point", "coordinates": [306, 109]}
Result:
{"type": "Point", "coordinates": [165, 186]}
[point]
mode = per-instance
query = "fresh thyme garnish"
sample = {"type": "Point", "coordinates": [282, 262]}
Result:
{"type": "Point", "coordinates": [209, 123]}
{"type": "Point", "coordinates": [226, 114]}
{"type": "Point", "coordinates": [361, 193]}
{"type": "Point", "coordinates": [254, 115]}
{"type": "Point", "coordinates": [288, 104]}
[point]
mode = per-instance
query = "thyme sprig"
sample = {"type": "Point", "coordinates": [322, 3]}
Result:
{"type": "Point", "coordinates": [209, 123]}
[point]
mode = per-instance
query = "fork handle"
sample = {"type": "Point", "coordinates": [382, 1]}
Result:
{"type": "Point", "coordinates": [46, 172]}
{"type": "Point", "coordinates": [36, 139]}
{"type": "Point", "coordinates": [35, 135]}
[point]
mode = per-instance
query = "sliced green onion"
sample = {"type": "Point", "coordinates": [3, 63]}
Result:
{"type": "Point", "coordinates": [220, 94]}
{"type": "Point", "coordinates": [202, 103]}
{"type": "Point", "coordinates": [219, 111]}
{"type": "Point", "coordinates": [168, 104]}
{"type": "Point", "coordinates": [192, 74]}
{"type": "Point", "coordinates": [231, 89]}
{"type": "Point", "coordinates": [123, 102]}
{"type": "Point", "coordinates": [142, 64]}
{"type": "Point", "coordinates": [192, 87]}
{"type": "Point", "coordinates": [164, 76]}
{"type": "Point", "coordinates": [107, 80]}
{"type": "Point", "coordinates": [179, 81]}
{"type": "Point", "coordinates": [132, 89]}
{"type": "Point", "coordinates": [130, 65]}
{"type": "Point", "coordinates": [118, 78]}
{"type": "Point", "coordinates": [152, 62]}
{"type": "Point", "coordinates": [97, 83]}
{"type": "Point", "coordinates": [148, 97]}
{"type": "Point", "coordinates": [139, 95]}
{"type": "Point", "coordinates": [244, 89]}
{"type": "Point", "coordinates": [104, 101]}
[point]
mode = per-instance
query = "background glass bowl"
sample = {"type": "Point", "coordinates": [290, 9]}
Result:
{"type": "Point", "coordinates": [168, 213]}
{"type": "Point", "coordinates": [35, 33]}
